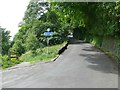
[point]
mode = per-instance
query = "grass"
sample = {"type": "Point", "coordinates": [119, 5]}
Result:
{"type": "Point", "coordinates": [42, 54]}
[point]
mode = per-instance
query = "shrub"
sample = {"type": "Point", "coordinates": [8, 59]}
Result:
{"type": "Point", "coordinates": [7, 62]}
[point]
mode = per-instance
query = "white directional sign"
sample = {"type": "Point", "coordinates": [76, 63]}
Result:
{"type": "Point", "coordinates": [48, 29]}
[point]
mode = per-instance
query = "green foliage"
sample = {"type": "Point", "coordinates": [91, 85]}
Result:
{"type": "Point", "coordinates": [99, 19]}
{"type": "Point", "coordinates": [4, 41]}
{"type": "Point", "coordinates": [31, 42]}
{"type": "Point", "coordinates": [0, 61]}
{"type": "Point", "coordinates": [34, 10]}
{"type": "Point", "coordinates": [79, 33]}
{"type": "Point", "coordinates": [42, 54]}
{"type": "Point", "coordinates": [18, 47]}
{"type": "Point", "coordinates": [38, 17]}
{"type": "Point", "coordinates": [7, 62]}
{"type": "Point", "coordinates": [97, 40]}
{"type": "Point", "coordinates": [0, 41]}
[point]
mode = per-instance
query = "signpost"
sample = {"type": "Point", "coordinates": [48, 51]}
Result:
{"type": "Point", "coordinates": [48, 34]}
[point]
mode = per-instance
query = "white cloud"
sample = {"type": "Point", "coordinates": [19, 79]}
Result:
{"type": "Point", "coordinates": [11, 13]}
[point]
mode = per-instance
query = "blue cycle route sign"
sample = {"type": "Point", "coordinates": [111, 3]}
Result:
{"type": "Point", "coordinates": [48, 34]}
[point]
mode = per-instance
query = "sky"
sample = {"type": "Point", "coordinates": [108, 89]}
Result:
{"type": "Point", "coordinates": [11, 14]}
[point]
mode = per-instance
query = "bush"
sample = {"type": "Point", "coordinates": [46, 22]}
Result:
{"type": "Point", "coordinates": [97, 40]}
{"type": "Point", "coordinates": [6, 62]}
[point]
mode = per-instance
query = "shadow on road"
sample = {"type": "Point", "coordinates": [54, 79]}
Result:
{"type": "Point", "coordinates": [100, 62]}
{"type": "Point", "coordinates": [91, 49]}
{"type": "Point", "coordinates": [75, 41]}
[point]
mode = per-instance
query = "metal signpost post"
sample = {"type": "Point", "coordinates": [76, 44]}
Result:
{"type": "Point", "coordinates": [48, 34]}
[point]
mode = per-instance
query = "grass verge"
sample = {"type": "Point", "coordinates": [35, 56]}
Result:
{"type": "Point", "coordinates": [42, 54]}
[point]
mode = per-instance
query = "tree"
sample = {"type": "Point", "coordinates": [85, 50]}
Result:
{"type": "Point", "coordinates": [35, 10]}
{"type": "Point", "coordinates": [4, 40]}
{"type": "Point", "coordinates": [32, 42]}
{"type": "Point", "coordinates": [38, 17]}
{"type": "Point", "coordinates": [97, 18]}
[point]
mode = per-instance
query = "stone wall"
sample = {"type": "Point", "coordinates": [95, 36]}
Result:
{"type": "Point", "coordinates": [111, 44]}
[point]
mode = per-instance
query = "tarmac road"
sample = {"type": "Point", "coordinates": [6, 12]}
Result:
{"type": "Point", "coordinates": [80, 66]}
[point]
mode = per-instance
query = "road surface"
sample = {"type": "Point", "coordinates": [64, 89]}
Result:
{"type": "Point", "coordinates": [80, 66]}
